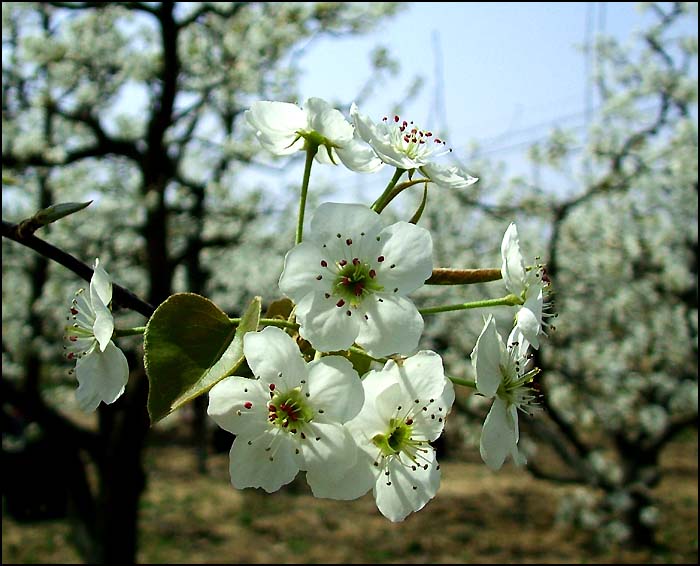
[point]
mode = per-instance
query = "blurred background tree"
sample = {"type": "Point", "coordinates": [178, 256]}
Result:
{"type": "Point", "coordinates": [137, 105]}
{"type": "Point", "coordinates": [616, 211]}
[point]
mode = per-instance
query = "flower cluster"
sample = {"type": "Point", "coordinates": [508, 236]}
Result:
{"type": "Point", "coordinates": [352, 426]}
{"type": "Point", "coordinates": [350, 279]}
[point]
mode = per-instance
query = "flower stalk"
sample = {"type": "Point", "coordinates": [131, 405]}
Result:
{"type": "Point", "coordinates": [386, 196]}
{"type": "Point", "coordinates": [507, 301]}
{"type": "Point", "coordinates": [311, 151]}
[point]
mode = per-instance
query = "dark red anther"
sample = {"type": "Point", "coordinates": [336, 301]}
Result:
{"type": "Point", "coordinates": [248, 405]}
{"type": "Point", "coordinates": [73, 311]}
{"type": "Point", "coordinates": [359, 288]}
{"type": "Point", "coordinates": [324, 263]}
{"type": "Point", "coordinates": [372, 273]}
{"type": "Point", "coordinates": [73, 338]}
{"type": "Point", "coordinates": [345, 281]}
{"type": "Point", "coordinates": [348, 242]}
{"type": "Point", "coordinates": [396, 118]}
{"type": "Point", "coordinates": [70, 355]}
{"type": "Point", "coordinates": [340, 303]}
{"type": "Point", "coordinates": [409, 421]}
{"type": "Point", "coordinates": [355, 261]}
{"type": "Point", "coordinates": [272, 386]}
{"type": "Point", "coordinates": [343, 262]}
{"type": "Point", "coordinates": [380, 259]}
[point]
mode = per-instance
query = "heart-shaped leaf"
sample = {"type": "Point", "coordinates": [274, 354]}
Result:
{"type": "Point", "coordinates": [190, 345]}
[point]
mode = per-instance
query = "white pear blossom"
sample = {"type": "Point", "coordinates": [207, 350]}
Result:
{"type": "Point", "coordinates": [101, 367]}
{"type": "Point", "coordinates": [530, 285]}
{"type": "Point", "coordinates": [405, 409]}
{"type": "Point", "coordinates": [404, 145]}
{"type": "Point", "coordinates": [350, 278]}
{"type": "Point", "coordinates": [284, 128]}
{"type": "Point", "coordinates": [502, 374]}
{"type": "Point", "coordinates": [290, 417]}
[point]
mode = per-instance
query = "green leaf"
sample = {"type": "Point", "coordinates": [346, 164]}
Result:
{"type": "Point", "coordinates": [281, 308]}
{"type": "Point", "coordinates": [190, 345]}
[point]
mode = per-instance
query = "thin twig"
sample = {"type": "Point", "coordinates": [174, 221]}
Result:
{"type": "Point", "coordinates": [122, 296]}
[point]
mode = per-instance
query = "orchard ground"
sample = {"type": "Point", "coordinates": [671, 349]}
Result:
{"type": "Point", "coordinates": [477, 517]}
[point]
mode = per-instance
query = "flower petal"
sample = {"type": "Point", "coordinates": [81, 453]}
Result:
{"type": "Point", "coordinates": [266, 461]}
{"type": "Point", "coordinates": [328, 121]}
{"type": "Point", "coordinates": [529, 317]}
{"type": "Point", "coordinates": [405, 490]}
{"type": "Point", "coordinates": [408, 257]}
{"type": "Point", "coordinates": [103, 327]}
{"type": "Point", "coordinates": [348, 220]}
{"type": "Point", "coordinates": [518, 341]}
{"type": "Point", "coordinates": [429, 424]}
{"type": "Point", "coordinates": [486, 359]}
{"type": "Point", "coordinates": [370, 421]}
{"type": "Point", "coordinates": [102, 376]}
{"type": "Point", "coordinates": [359, 157]}
{"type": "Point", "coordinates": [101, 283]}
{"type": "Point", "coordinates": [327, 447]}
{"type": "Point", "coordinates": [239, 405]}
{"type": "Point", "coordinates": [324, 324]}
{"type": "Point", "coordinates": [100, 296]}
{"type": "Point", "coordinates": [387, 403]}
{"type": "Point", "coordinates": [302, 266]}
{"type": "Point", "coordinates": [453, 178]}
{"type": "Point", "coordinates": [277, 124]}
{"type": "Point", "coordinates": [512, 267]}
{"type": "Point", "coordinates": [335, 388]}
{"type": "Point", "coordinates": [354, 483]}
{"type": "Point", "coordinates": [499, 436]}
{"type": "Point", "coordinates": [364, 126]}
{"type": "Point", "coordinates": [393, 325]}
{"type": "Point", "coordinates": [274, 357]}
{"type": "Point", "coordinates": [421, 376]}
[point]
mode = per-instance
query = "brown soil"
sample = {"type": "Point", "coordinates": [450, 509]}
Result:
{"type": "Point", "coordinates": [477, 517]}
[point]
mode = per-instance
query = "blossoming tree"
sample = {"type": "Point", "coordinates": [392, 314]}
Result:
{"type": "Point", "coordinates": [619, 377]}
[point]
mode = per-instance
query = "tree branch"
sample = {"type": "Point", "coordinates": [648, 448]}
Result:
{"type": "Point", "coordinates": [204, 9]}
{"type": "Point", "coordinates": [122, 296]}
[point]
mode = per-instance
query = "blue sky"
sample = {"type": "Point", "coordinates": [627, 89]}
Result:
{"type": "Point", "coordinates": [509, 70]}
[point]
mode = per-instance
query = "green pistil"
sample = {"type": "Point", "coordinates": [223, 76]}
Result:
{"type": "Point", "coordinates": [288, 411]}
{"type": "Point", "coordinates": [511, 389]}
{"type": "Point", "coordinates": [398, 439]}
{"type": "Point", "coordinates": [354, 281]}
